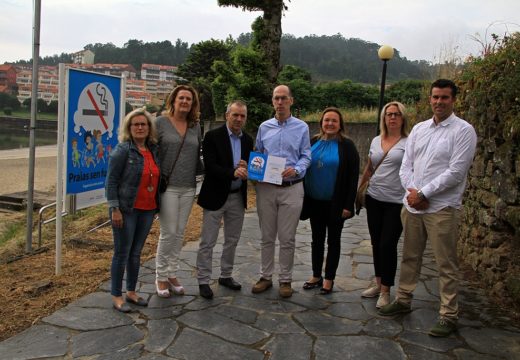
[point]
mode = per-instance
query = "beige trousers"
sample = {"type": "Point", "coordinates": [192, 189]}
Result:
{"type": "Point", "coordinates": [442, 230]}
{"type": "Point", "coordinates": [279, 211]}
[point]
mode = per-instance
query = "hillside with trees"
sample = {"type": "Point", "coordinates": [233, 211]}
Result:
{"type": "Point", "coordinates": [327, 58]}
{"type": "Point", "coordinates": [330, 58]}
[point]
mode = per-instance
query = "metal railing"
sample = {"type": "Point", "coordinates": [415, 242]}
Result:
{"type": "Point", "coordinates": [41, 222]}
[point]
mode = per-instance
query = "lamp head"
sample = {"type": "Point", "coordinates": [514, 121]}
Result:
{"type": "Point", "coordinates": [385, 52]}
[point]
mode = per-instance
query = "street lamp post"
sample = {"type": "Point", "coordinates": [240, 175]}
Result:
{"type": "Point", "coordinates": [385, 53]}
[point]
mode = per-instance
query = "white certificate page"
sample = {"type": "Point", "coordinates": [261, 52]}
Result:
{"type": "Point", "coordinates": [273, 169]}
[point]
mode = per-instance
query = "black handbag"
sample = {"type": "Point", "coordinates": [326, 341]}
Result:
{"type": "Point", "coordinates": [163, 183]}
{"type": "Point", "coordinates": [201, 170]}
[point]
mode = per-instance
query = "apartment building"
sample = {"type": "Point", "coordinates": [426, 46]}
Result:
{"type": "Point", "coordinates": [83, 57]}
{"type": "Point", "coordinates": [158, 72]}
{"type": "Point", "coordinates": [48, 81]}
{"type": "Point", "coordinates": [126, 70]}
{"type": "Point", "coordinates": [153, 89]}
{"type": "Point", "coordinates": [8, 79]}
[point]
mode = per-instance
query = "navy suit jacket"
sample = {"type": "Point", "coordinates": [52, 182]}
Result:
{"type": "Point", "coordinates": [219, 167]}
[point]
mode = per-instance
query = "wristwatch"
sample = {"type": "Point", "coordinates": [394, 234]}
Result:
{"type": "Point", "coordinates": [296, 172]}
{"type": "Point", "coordinates": [114, 208]}
{"type": "Point", "coordinates": [421, 195]}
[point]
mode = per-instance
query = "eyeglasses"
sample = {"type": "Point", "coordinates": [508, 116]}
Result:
{"type": "Point", "coordinates": [396, 114]}
{"type": "Point", "coordinates": [137, 125]}
{"type": "Point", "coordinates": [282, 98]}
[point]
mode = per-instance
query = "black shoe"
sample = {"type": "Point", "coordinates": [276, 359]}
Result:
{"type": "Point", "coordinates": [140, 301]}
{"type": "Point", "coordinates": [205, 291]}
{"type": "Point", "coordinates": [229, 283]}
{"type": "Point", "coordinates": [124, 308]}
{"type": "Point", "coordinates": [324, 291]}
{"type": "Point", "coordinates": [313, 285]}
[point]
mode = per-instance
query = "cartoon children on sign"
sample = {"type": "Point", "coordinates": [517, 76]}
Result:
{"type": "Point", "coordinates": [100, 149]}
{"type": "Point", "coordinates": [75, 156]}
{"type": "Point", "coordinates": [88, 153]}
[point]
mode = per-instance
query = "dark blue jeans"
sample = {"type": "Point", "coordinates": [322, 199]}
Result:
{"type": "Point", "coordinates": [128, 244]}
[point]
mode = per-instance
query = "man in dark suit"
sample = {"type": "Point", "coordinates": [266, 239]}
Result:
{"type": "Point", "coordinates": [223, 195]}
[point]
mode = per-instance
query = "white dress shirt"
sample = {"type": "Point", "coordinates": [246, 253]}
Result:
{"type": "Point", "coordinates": [436, 161]}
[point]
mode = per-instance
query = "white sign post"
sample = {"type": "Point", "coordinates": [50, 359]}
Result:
{"type": "Point", "coordinates": [91, 107]}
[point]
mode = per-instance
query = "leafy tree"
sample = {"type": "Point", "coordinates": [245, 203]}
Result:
{"type": "Point", "coordinates": [41, 105]}
{"type": "Point", "coordinates": [267, 31]}
{"type": "Point", "coordinates": [26, 103]}
{"type": "Point", "coordinates": [337, 58]}
{"type": "Point", "coordinates": [198, 69]}
{"type": "Point", "coordinates": [52, 107]}
{"type": "Point", "coordinates": [151, 108]}
{"type": "Point", "coordinates": [56, 59]}
{"type": "Point", "coordinates": [292, 72]}
{"type": "Point", "coordinates": [128, 107]}
{"type": "Point", "coordinates": [137, 52]}
{"type": "Point", "coordinates": [245, 78]}
{"type": "Point", "coordinates": [203, 87]}
{"type": "Point", "coordinates": [405, 91]}
{"type": "Point", "coordinates": [303, 94]}
{"type": "Point", "coordinates": [201, 58]}
{"type": "Point", "coordinates": [105, 53]}
{"type": "Point", "coordinates": [345, 94]}
{"type": "Point", "coordinates": [9, 101]}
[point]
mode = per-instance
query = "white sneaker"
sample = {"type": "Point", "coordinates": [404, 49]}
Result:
{"type": "Point", "coordinates": [371, 292]}
{"type": "Point", "coordinates": [384, 299]}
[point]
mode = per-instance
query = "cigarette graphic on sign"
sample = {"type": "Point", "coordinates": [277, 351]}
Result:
{"type": "Point", "coordinates": [96, 109]}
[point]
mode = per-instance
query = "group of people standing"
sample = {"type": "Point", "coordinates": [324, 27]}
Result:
{"type": "Point", "coordinates": [425, 170]}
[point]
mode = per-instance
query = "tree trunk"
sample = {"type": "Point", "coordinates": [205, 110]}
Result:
{"type": "Point", "coordinates": [271, 42]}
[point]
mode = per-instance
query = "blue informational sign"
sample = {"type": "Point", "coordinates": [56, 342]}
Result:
{"type": "Point", "coordinates": [92, 122]}
{"type": "Point", "coordinates": [256, 166]}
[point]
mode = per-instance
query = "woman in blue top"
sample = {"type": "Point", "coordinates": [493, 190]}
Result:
{"type": "Point", "coordinates": [330, 191]}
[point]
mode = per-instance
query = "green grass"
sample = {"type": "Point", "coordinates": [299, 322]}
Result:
{"type": "Point", "coordinates": [12, 230]}
{"type": "Point", "coordinates": [27, 115]}
{"type": "Point", "coordinates": [360, 115]}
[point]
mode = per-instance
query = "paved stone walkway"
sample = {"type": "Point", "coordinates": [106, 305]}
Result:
{"type": "Point", "coordinates": [240, 325]}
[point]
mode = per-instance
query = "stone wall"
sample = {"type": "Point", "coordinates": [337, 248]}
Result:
{"type": "Point", "coordinates": [45, 129]}
{"type": "Point", "coordinates": [490, 100]}
{"type": "Point", "coordinates": [490, 230]}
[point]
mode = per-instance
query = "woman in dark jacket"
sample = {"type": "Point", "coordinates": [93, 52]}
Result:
{"type": "Point", "coordinates": [330, 191]}
{"type": "Point", "coordinates": [131, 191]}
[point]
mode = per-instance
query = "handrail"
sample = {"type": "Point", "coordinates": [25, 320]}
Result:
{"type": "Point", "coordinates": [41, 222]}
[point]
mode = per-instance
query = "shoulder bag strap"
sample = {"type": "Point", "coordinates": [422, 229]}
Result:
{"type": "Point", "coordinates": [177, 156]}
{"type": "Point", "coordinates": [386, 153]}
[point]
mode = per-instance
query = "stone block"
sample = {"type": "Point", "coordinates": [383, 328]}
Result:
{"type": "Point", "coordinates": [479, 167]}
{"type": "Point", "coordinates": [487, 198]}
{"type": "Point", "coordinates": [512, 216]}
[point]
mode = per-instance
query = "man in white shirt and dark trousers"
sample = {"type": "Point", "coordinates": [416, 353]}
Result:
{"type": "Point", "coordinates": [438, 155]}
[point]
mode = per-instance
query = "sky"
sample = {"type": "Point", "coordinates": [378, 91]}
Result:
{"type": "Point", "coordinates": [419, 29]}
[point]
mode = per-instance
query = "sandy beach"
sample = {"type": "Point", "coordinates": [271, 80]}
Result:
{"type": "Point", "coordinates": [14, 169]}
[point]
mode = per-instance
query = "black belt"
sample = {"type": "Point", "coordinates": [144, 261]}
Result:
{"type": "Point", "coordinates": [290, 183]}
{"type": "Point", "coordinates": [234, 191]}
